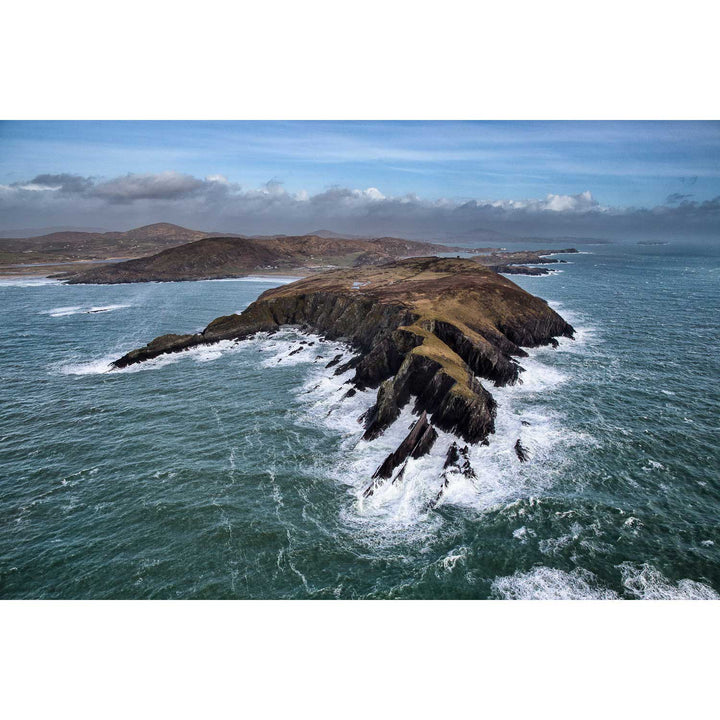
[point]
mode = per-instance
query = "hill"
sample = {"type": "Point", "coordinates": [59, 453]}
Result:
{"type": "Point", "coordinates": [71, 246]}
{"type": "Point", "coordinates": [227, 257]}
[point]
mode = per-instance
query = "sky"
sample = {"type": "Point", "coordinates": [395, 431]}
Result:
{"type": "Point", "coordinates": [421, 179]}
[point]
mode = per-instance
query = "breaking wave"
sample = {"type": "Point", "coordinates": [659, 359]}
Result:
{"type": "Point", "coordinates": [82, 310]}
{"type": "Point", "coordinates": [544, 583]}
{"type": "Point", "coordinates": [26, 282]}
{"type": "Point", "coordinates": [640, 581]}
{"type": "Point", "coordinates": [645, 582]}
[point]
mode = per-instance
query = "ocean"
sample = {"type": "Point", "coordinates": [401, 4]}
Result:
{"type": "Point", "coordinates": [238, 470]}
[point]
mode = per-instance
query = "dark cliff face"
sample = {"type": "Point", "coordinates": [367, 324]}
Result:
{"type": "Point", "coordinates": [426, 330]}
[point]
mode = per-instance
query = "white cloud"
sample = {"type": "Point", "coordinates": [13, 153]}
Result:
{"type": "Point", "coordinates": [219, 204]}
{"type": "Point", "coordinates": [581, 202]}
{"type": "Point", "coordinates": [371, 194]}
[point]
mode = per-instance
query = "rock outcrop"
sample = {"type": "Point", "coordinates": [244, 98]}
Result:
{"type": "Point", "coordinates": [418, 442]}
{"type": "Point", "coordinates": [457, 464]}
{"type": "Point", "coordinates": [521, 452]}
{"type": "Point", "coordinates": [518, 262]}
{"type": "Point", "coordinates": [425, 330]}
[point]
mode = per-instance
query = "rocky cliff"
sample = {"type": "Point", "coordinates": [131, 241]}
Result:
{"type": "Point", "coordinates": [426, 330]}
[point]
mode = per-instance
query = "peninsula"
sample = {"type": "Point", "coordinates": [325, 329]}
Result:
{"type": "Point", "coordinates": [425, 329]}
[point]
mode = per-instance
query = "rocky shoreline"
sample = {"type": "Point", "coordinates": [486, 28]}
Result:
{"type": "Point", "coordinates": [520, 262]}
{"type": "Point", "coordinates": [426, 330]}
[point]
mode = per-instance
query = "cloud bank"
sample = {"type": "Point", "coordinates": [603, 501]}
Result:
{"type": "Point", "coordinates": [213, 203]}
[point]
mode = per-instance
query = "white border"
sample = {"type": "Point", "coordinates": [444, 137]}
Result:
{"type": "Point", "coordinates": [315, 659]}
{"type": "Point", "coordinates": [321, 59]}
{"type": "Point", "coordinates": [327, 60]}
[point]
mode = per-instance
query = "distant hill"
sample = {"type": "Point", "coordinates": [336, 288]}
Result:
{"type": "Point", "coordinates": [333, 234]}
{"type": "Point", "coordinates": [226, 257]}
{"type": "Point", "coordinates": [69, 246]}
{"type": "Point", "coordinates": [36, 232]}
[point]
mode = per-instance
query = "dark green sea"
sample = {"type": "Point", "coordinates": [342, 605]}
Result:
{"type": "Point", "coordinates": [237, 471]}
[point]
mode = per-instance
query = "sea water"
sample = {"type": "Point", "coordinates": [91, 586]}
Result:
{"type": "Point", "coordinates": [238, 470]}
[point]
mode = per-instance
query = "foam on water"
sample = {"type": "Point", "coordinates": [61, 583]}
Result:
{"type": "Point", "coordinates": [648, 583]}
{"type": "Point", "coordinates": [27, 282]}
{"type": "Point", "coordinates": [278, 347]}
{"type": "Point", "coordinates": [91, 367]}
{"type": "Point", "coordinates": [640, 581]}
{"type": "Point", "coordinates": [293, 347]}
{"type": "Point", "coordinates": [274, 279]}
{"type": "Point", "coordinates": [544, 583]}
{"type": "Point", "coordinates": [81, 309]}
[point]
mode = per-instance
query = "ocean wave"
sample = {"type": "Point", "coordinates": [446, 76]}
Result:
{"type": "Point", "coordinates": [646, 582]}
{"type": "Point", "coordinates": [640, 581]}
{"type": "Point", "coordinates": [103, 365]}
{"type": "Point", "coordinates": [545, 583]}
{"type": "Point", "coordinates": [97, 366]}
{"type": "Point", "coordinates": [280, 347]}
{"type": "Point", "coordinates": [81, 310]}
{"type": "Point", "coordinates": [277, 279]}
{"type": "Point", "coordinates": [26, 282]}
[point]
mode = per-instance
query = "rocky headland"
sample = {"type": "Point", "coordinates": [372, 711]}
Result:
{"type": "Point", "coordinates": [520, 262]}
{"type": "Point", "coordinates": [426, 330]}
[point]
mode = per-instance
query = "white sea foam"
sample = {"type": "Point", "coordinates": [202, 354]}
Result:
{"type": "Point", "coordinates": [276, 279]}
{"type": "Point", "coordinates": [26, 282]}
{"type": "Point", "coordinates": [452, 558]}
{"type": "Point", "coordinates": [290, 347]}
{"type": "Point", "coordinates": [278, 347]}
{"type": "Point", "coordinates": [648, 583]}
{"type": "Point", "coordinates": [103, 365]}
{"type": "Point", "coordinates": [523, 533]}
{"type": "Point", "coordinates": [403, 506]}
{"type": "Point", "coordinates": [544, 583]}
{"type": "Point", "coordinates": [98, 366]}
{"type": "Point", "coordinates": [81, 309]}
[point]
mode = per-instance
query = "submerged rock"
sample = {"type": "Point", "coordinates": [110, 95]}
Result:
{"type": "Point", "coordinates": [521, 452]}
{"type": "Point", "coordinates": [457, 462]}
{"type": "Point", "coordinates": [334, 361]}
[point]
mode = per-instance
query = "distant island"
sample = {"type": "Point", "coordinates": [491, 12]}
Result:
{"type": "Point", "coordinates": [164, 252]}
{"type": "Point", "coordinates": [299, 255]}
{"type": "Point", "coordinates": [425, 328]}
{"type": "Point", "coordinates": [231, 257]}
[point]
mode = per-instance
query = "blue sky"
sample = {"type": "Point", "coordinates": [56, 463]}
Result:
{"type": "Point", "coordinates": [621, 163]}
{"type": "Point", "coordinates": [419, 179]}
